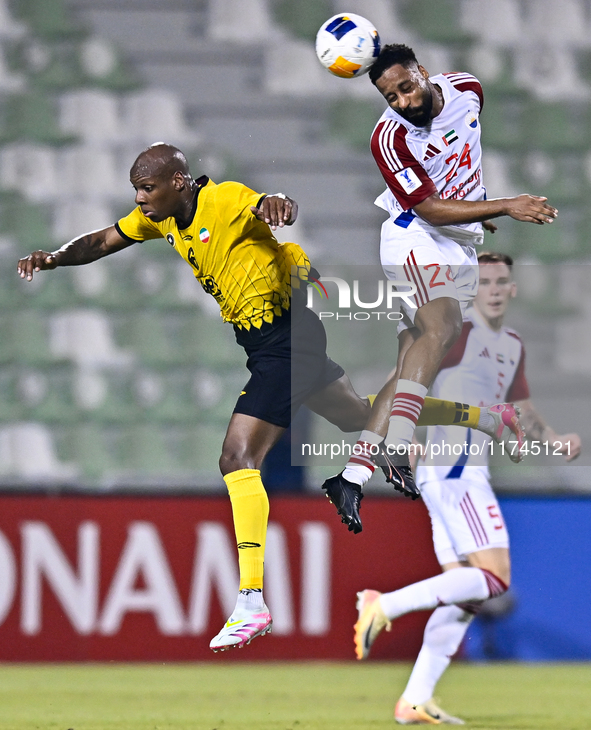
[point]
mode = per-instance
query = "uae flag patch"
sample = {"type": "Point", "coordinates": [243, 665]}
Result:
{"type": "Point", "coordinates": [450, 137]}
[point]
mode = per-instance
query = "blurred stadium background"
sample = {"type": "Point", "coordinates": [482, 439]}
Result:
{"type": "Point", "coordinates": [119, 376]}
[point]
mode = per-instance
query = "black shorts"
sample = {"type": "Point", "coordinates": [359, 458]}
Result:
{"type": "Point", "coordinates": [287, 366]}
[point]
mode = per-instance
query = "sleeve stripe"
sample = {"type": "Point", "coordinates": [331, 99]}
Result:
{"type": "Point", "coordinates": [125, 236]}
{"type": "Point", "coordinates": [386, 142]}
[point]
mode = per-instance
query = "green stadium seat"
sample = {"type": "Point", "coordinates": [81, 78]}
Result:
{"type": "Point", "coordinates": [50, 20]}
{"type": "Point", "coordinates": [558, 126]}
{"type": "Point", "coordinates": [11, 405]}
{"type": "Point", "coordinates": [304, 17]}
{"type": "Point", "coordinates": [151, 336]}
{"type": "Point", "coordinates": [200, 448]}
{"type": "Point", "coordinates": [146, 450]}
{"type": "Point", "coordinates": [504, 119]}
{"type": "Point", "coordinates": [54, 404]}
{"type": "Point", "coordinates": [434, 21]}
{"type": "Point", "coordinates": [27, 332]}
{"type": "Point", "coordinates": [353, 120]}
{"type": "Point", "coordinates": [92, 451]}
{"type": "Point", "coordinates": [32, 116]}
{"type": "Point", "coordinates": [165, 396]}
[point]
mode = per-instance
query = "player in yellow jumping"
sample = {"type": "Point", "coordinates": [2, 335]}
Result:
{"type": "Point", "coordinates": [224, 232]}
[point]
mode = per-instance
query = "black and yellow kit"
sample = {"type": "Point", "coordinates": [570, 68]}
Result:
{"type": "Point", "coordinates": [257, 283]}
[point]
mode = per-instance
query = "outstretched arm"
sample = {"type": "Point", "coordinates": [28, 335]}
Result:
{"type": "Point", "coordinates": [538, 430]}
{"type": "Point", "coordinates": [276, 210]}
{"type": "Point", "coordinates": [83, 250]}
{"type": "Point", "coordinates": [526, 208]}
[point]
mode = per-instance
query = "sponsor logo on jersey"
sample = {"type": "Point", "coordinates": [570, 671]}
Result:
{"type": "Point", "coordinates": [484, 353]}
{"type": "Point", "coordinates": [170, 238]}
{"type": "Point", "coordinates": [471, 120]}
{"type": "Point", "coordinates": [191, 259]}
{"type": "Point", "coordinates": [408, 179]}
{"type": "Point", "coordinates": [204, 235]}
{"type": "Point", "coordinates": [449, 137]}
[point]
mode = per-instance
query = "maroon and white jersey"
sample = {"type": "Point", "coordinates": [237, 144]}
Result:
{"type": "Point", "coordinates": [444, 157]}
{"type": "Point", "coordinates": [482, 368]}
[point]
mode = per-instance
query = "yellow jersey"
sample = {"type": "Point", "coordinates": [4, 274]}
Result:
{"type": "Point", "coordinates": [234, 256]}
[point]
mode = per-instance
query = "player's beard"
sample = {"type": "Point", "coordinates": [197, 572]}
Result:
{"type": "Point", "coordinates": [420, 116]}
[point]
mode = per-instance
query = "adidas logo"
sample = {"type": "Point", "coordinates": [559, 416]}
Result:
{"type": "Point", "coordinates": [432, 151]}
{"type": "Point", "coordinates": [485, 353]}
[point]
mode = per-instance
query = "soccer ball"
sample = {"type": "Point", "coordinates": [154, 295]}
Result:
{"type": "Point", "coordinates": [347, 45]}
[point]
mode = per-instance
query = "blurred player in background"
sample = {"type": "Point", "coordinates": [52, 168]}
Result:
{"type": "Point", "coordinates": [486, 364]}
{"type": "Point", "coordinates": [224, 233]}
{"type": "Point", "coordinates": [427, 146]}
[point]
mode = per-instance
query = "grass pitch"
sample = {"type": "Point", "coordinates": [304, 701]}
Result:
{"type": "Point", "coordinates": [283, 696]}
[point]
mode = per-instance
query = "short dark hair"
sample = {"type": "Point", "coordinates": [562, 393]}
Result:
{"type": "Point", "coordinates": [489, 257]}
{"type": "Point", "coordinates": [390, 55]}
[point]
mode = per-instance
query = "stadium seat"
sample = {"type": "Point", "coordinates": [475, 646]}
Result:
{"type": "Point", "coordinates": [303, 18]}
{"type": "Point", "coordinates": [21, 440]}
{"type": "Point", "coordinates": [30, 169]}
{"type": "Point", "coordinates": [551, 73]}
{"type": "Point", "coordinates": [557, 22]}
{"type": "Point", "coordinates": [10, 82]}
{"type": "Point", "coordinates": [92, 114]}
{"type": "Point", "coordinates": [164, 396]}
{"type": "Point", "coordinates": [47, 395]}
{"type": "Point", "coordinates": [153, 114]}
{"type": "Point", "coordinates": [151, 336]}
{"type": "Point", "coordinates": [504, 120]}
{"type": "Point", "coordinates": [437, 22]}
{"type": "Point", "coordinates": [93, 452]}
{"type": "Point", "coordinates": [250, 20]}
{"type": "Point", "coordinates": [11, 404]}
{"type": "Point", "coordinates": [32, 116]}
{"type": "Point", "coordinates": [10, 28]}
{"type": "Point", "coordinates": [106, 183]}
{"type": "Point", "coordinates": [51, 21]}
{"type": "Point", "coordinates": [559, 126]}
{"type": "Point", "coordinates": [146, 451]}
{"type": "Point", "coordinates": [28, 337]}
{"type": "Point", "coordinates": [85, 336]}
{"type": "Point", "coordinates": [498, 23]}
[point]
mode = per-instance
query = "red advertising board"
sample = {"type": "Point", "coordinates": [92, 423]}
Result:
{"type": "Point", "coordinates": [153, 579]}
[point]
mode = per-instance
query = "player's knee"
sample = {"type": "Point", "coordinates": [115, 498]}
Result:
{"type": "Point", "coordinates": [442, 337]}
{"type": "Point", "coordinates": [233, 459]}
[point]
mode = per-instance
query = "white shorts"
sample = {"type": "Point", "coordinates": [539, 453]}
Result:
{"type": "Point", "coordinates": [435, 263]}
{"type": "Point", "coordinates": [465, 518]}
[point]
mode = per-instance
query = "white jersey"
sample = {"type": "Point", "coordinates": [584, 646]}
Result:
{"type": "Point", "coordinates": [483, 367]}
{"type": "Point", "coordinates": [444, 157]}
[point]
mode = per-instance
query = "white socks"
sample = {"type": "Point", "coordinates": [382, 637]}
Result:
{"type": "Point", "coordinates": [443, 635]}
{"type": "Point", "coordinates": [249, 599]}
{"type": "Point", "coordinates": [459, 585]}
{"type": "Point", "coordinates": [360, 467]}
{"type": "Point", "coordinates": [406, 409]}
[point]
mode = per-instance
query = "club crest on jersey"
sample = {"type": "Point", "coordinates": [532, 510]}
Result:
{"type": "Point", "coordinates": [471, 120]}
{"type": "Point", "coordinates": [408, 179]}
{"type": "Point", "coordinates": [170, 238]}
{"type": "Point", "coordinates": [449, 137]}
{"type": "Point", "coordinates": [204, 235]}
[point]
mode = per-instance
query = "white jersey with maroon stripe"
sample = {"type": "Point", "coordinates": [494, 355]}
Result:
{"type": "Point", "coordinates": [444, 157]}
{"type": "Point", "coordinates": [482, 368]}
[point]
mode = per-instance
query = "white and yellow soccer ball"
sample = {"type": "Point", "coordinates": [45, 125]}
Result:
{"type": "Point", "coordinates": [347, 45]}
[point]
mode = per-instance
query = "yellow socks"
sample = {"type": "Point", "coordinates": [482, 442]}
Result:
{"type": "Point", "coordinates": [437, 412]}
{"type": "Point", "coordinates": [250, 508]}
